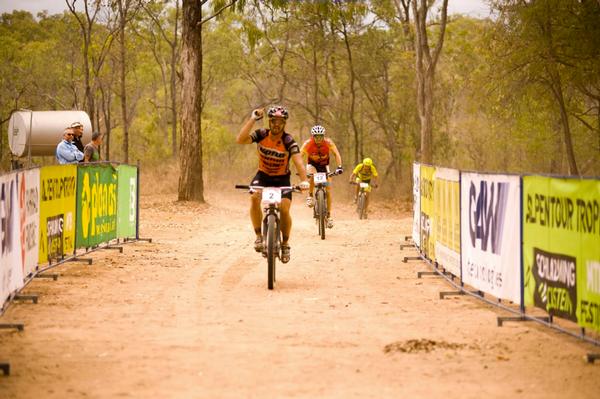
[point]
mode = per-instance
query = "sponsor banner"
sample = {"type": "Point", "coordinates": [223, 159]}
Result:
{"type": "Point", "coordinates": [561, 247]}
{"type": "Point", "coordinates": [446, 194]}
{"type": "Point", "coordinates": [416, 230]}
{"type": "Point", "coordinates": [96, 205]}
{"type": "Point", "coordinates": [127, 200]}
{"type": "Point", "coordinates": [491, 234]}
{"type": "Point", "coordinates": [58, 186]}
{"type": "Point", "coordinates": [29, 219]}
{"type": "Point", "coordinates": [11, 272]}
{"type": "Point", "coordinates": [427, 217]}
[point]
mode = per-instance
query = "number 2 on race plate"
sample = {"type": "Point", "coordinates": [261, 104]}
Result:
{"type": "Point", "coordinates": [320, 178]}
{"type": "Point", "coordinates": [271, 195]}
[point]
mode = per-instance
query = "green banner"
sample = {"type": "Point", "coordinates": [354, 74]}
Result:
{"type": "Point", "coordinates": [561, 247]}
{"type": "Point", "coordinates": [127, 201]}
{"type": "Point", "coordinates": [427, 212]}
{"type": "Point", "coordinates": [96, 205]}
{"type": "Point", "coordinates": [57, 211]}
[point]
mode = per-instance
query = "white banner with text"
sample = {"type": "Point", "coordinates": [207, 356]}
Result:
{"type": "Point", "coordinates": [491, 234]}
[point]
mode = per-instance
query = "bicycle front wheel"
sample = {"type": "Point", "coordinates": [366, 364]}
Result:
{"type": "Point", "coordinates": [362, 198]}
{"type": "Point", "coordinates": [271, 249]}
{"type": "Point", "coordinates": [322, 212]}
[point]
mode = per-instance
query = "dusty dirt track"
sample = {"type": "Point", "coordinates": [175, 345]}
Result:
{"type": "Point", "coordinates": [189, 316]}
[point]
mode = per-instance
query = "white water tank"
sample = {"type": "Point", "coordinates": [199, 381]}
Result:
{"type": "Point", "coordinates": [39, 132]}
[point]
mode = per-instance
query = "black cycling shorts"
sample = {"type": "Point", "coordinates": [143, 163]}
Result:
{"type": "Point", "coordinates": [320, 168]}
{"type": "Point", "coordinates": [263, 179]}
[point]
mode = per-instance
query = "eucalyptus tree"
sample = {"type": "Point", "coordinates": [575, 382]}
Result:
{"type": "Point", "coordinates": [96, 25]}
{"type": "Point", "coordinates": [191, 183]}
{"type": "Point", "coordinates": [554, 45]}
{"type": "Point", "coordinates": [426, 61]}
{"type": "Point", "coordinates": [166, 20]}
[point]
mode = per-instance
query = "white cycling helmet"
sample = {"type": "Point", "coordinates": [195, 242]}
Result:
{"type": "Point", "coordinates": [317, 130]}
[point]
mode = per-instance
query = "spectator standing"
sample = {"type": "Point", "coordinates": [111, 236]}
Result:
{"type": "Point", "coordinates": [77, 134]}
{"type": "Point", "coordinates": [91, 151]}
{"type": "Point", "coordinates": [66, 152]}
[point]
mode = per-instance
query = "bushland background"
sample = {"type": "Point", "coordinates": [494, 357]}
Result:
{"type": "Point", "coordinates": [395, 80]}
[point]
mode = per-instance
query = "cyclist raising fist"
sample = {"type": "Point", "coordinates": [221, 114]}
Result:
{"type": "Point", "coordinates": [275, 147]}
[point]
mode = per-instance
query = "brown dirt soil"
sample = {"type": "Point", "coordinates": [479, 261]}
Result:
{"type": "Point", "coordinates": [189, 316]}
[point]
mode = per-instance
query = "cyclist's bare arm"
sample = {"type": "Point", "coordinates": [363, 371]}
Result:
{"type": "Point", "coordinates": [243, 136]}
{"type": "Point", "coordinates": [304, 153]}
{"type": "Point", "coordinates": [298, 162]}
{"type": "Point", "coordinates": [335, 151]}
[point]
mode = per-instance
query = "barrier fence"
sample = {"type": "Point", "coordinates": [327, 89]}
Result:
{"type": "Point", "coordinates": [47, 213]}
{"type": "Point", "coordinates": [532, 240]}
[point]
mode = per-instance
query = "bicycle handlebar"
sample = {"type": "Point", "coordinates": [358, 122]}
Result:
{"type": "Point", "coordinates": [329, 174]}
{"type": "Point", "coordinates": [251, 187]}
{"type": "Point", "coordinates": [370, 184]}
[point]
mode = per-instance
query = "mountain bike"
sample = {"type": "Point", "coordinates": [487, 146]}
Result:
{"type": "Point", "coordinates": [320, 199]}
{"type": "Point", "coordinates": [271, 230]}
{"type": "Point", "coordinates": [361, 201]}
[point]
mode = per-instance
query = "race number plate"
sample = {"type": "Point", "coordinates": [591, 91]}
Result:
{"type": "Point", "coordinates": [271, 195]}
{"type": "Point", "coordinates": [320, 178]}
{"type": "Point", "coordinates": [364, 185]}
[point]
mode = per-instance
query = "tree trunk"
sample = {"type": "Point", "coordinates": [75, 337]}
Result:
{"type": "Point", "coordinates": [426, 115]}
{"type": "Point", "coordinates": [89, 97]}
{"type": "Point", "coordinates": [426, 63]}
{"type": "Point", "coordinates": [357, 156]}
{"type": "Point", "coordinates": [191, 186]}
{"type": "Point", "coordinates": [122, 73]}
{"type": "Point", "coordinates": [174, 83]}
{"type": "Point", "coordinates": [557, 91]}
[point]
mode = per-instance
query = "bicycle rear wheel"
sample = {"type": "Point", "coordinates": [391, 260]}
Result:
{"type": "Point", "coordinates": [271, 249]}
{"type": "Point", "coordinates": [322, 212]}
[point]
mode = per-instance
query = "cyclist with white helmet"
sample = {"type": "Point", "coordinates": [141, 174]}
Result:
{"type": "Point", "coordinates": [275, 148]}
{"type": "Point", "coordinates": [364, 172]}
{"type": "Point", "coordinates": [316, 151]}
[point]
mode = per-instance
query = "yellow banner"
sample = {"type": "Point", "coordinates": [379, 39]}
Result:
{"type": "Point", "coordinates": [427, 212]}
{"type": "Point", "coordinates": [58, 187]}
{"type": "Point", "coordinates": [447, 219]}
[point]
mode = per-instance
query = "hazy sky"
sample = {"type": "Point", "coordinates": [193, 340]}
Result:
{"type": "Point", "coordinates": [474, 8]}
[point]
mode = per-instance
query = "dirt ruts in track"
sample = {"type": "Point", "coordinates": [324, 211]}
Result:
{"type": "Point", "coordinates": [189, 316]}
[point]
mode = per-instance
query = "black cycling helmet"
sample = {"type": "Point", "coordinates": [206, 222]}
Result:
{"type": "Point", "coordinates": [278, 111]}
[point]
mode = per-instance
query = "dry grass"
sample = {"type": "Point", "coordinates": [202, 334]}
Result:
{"type": "Point", "coordinates": [160, 178]}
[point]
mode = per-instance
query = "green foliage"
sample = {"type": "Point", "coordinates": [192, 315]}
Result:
{"type": "Point", "coordinates": [494, 107]}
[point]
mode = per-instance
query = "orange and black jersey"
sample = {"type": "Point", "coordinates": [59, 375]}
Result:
{"type": "Point", "coordinates": [317, 154]}
{"type": "Point", "coordinates": [274, 154]}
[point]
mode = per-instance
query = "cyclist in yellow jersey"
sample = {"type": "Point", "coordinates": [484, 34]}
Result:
{"type": "Point", "coordinates": [364, 172]}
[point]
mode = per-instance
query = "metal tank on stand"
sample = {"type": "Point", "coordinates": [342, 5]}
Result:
{"type": "Point", "coordinates": [37, 133]}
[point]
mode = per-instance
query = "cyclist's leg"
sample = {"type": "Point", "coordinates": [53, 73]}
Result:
{"type": "Point", "coordinates": [328, 191]}
{"type": "Point", "coordinates": [310, 169]}
{"type": "Point", "coordinates": [367, 196]}
{"type": "Point", "coordinates": [286, 219]}
{"type": "Point", "coordinates": [286, 227]}
{"type": "Point", "coordinates": [256, 213]}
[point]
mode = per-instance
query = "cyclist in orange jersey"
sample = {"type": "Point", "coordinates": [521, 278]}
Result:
{"type": "Point", "coordinates": [316, 151]}
{"type": "Point", "coordinates": [275, 148]}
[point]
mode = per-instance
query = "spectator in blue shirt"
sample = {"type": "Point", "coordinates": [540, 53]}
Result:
{"type": "Point", "coordinates": [66, 152]}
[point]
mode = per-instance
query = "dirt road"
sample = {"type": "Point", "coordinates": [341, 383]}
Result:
{"type": "Point", "coordinates": [189, 316]}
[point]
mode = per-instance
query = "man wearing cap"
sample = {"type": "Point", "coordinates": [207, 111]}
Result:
{"type": "Point", "coordinates": [91, 152]}
{"type": "Point", "coordinates": [66, 152]}
{"type": "Point", "coordinates": [78, 133]}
